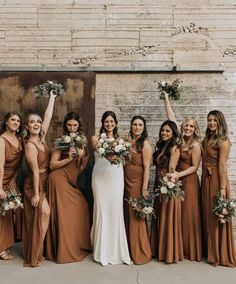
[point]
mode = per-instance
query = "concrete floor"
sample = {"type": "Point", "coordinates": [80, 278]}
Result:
{"type": "Point", "coordinates": [88, 271]}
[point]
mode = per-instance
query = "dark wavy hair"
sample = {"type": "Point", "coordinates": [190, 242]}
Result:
{"type": "Point", "coordinates": [221, 131]}
{"type": "Point", "coordinates": [71, 115]}
{"type": "Point", "coordinates": [104, 116]}
{"type": "Point", "coordinates": [165, 147]}
{"type": "Point", "coordinates": [6, 118]}
{"type": "Point", "coordinates": [144, 135]}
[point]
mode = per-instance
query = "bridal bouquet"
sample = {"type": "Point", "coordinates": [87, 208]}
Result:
{"type": "Point", "coordinates": [170, 188]}
{"type": "Point", "coordinates": [75, 140]}
{"type": "Point", "coordinates": [12, 201]}
{"type": "Point", "coordinates": [142, 207]}
{"type": "Point", "coordinates": [171, 88]}
{"type": "Point", "coordinates": [44, 90]}
{"type": "Point", "coordinates": [119, 148]}
{"type": "Point", "coordinates": [224, 209]}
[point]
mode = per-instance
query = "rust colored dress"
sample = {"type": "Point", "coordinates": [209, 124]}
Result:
{"type": "Point", "coordinates": [68, 236]}
{"type": "Point", "coordinates": [166, 231]}
{"type": "Point", "coordinates": [219, 237]}
{"type": "Point", "coordinates": [190, 211]}
{"type": "Point", "coordinates": [13, 157]}
{"type": "Point", "coordinates": [136, 228]}
{"type": "Point", "coordinates": [32, 230]}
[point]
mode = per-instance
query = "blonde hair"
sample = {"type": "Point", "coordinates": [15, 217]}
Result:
{"type": "Point", "coordinates": [196, 134]}
{"type": "Point", "coordinates": [26, 131]}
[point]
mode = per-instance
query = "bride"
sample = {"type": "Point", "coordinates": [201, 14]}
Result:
{"type": "Point", "coordinates": [108, 231]}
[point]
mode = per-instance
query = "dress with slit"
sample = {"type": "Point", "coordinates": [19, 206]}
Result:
{"type": "Point", "coordinates": [32, 230]}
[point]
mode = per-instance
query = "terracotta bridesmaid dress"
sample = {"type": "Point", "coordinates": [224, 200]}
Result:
{"type": "Point", "coordinates": [68, 236]}
{"type": "Point", "coordinates": [166, 230]}
{"type": "Point", "coordinates": [219, 237]}
{"type": "Point", "coordinates": [13, 157]}
{"type": "Point", "coordinates": [190, 211]}
{"type": "Point", "coordinates": [32, 231]}
{"type": "Point", "coordinates": [136, 228]}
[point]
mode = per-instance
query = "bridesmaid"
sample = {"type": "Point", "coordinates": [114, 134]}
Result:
{"type": "Point", "coordinates": [166, 234]}
{"type": "Point", "coordinates": [11, 152]}
{"type": "Point", "coordinates": [190, 156]}
{"type": "Point", "coordinates": [69, 208]}
{"type": "Point", "coordinates": [36, 208]}
{"type": "Point", "coordinates": [136, 173]}
{"type": "Point", "coordinates": [216, 148]}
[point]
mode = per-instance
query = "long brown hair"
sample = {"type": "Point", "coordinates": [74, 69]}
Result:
{"type": "Point", "coordinates": [221, 133]}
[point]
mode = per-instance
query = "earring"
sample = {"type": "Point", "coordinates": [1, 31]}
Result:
{"type": "Point", "coordinates": [17, 130]}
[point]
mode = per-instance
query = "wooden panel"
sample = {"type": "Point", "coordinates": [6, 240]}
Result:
{"type": "Point", "coordinates": [16, 95]}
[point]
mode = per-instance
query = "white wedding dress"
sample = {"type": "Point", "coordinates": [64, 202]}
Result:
{"type": "Point", "coordinates": [108, 231]}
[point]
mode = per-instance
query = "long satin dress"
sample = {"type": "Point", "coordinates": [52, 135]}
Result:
{"type": "Point", "coordinates": [136, 228]}
{"type": "Point", "coordinates": [108, 235]}
{"type": "Point", "coordinates": [219, 237]}
{"type": "Point", "coordinates": [166, 230]}
{"type": "Point", "coordinates": [13, 157]}
{"type": "Point", "coordinates": [68, 236]}
{"type": "Point", "coordinates": [32, 230]}
{"type": "Point", "coordinates": [191, 210]}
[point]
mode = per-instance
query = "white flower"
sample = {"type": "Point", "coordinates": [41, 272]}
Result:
{"type": "Point", "coordinates": [101, 151]}
{"type": "Point", "coordinates": [78, 138]}
{"type": "Point", "coordinates": [163, 83]}
{"type": "Point", "coordinates": [11, 205]}
{"type": "Point", "coordinates": [170, 184]}
{"type": "Point", "coordinates": [73, 135]}
{"type": "Point", "coordinates": [110, 139]}
{"type": "Point", "coordinates": [165, 179]}
{"type": "Point", "coordinates": [163, 189]}
{"type": "Point", "coordinates": [66, 139]}
{"type": "Point", "coordinates": [101, 140]}
{"type": "Point", "coordinates": [117, 149]}
{"type": "Point", "coordinates": [7, 207]}
{"type": "Point", "coordinates": [121, 141]}
{"type": "Point", "coordinates": [232, 204]}
{"type": "Point", "coordinates": [147, 210]}
{"type": "Point", "coordinates": [103, 136]}
{"type": "Point", "coordinates": [105, 145]}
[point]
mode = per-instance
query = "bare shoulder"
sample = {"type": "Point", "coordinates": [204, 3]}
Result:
{"type": "Point", "coordinates": [30, 146]}
{"type": "Point", "coordinates": [196, 145]}
{"type": "Point", "coordinates": [175, 149]}
{"type": "Point", "coordinates": [147, 145]}
{"type": "Point", "coordinates": [225, 145]}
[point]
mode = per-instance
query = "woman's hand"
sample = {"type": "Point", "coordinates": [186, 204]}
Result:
{"type": "Point", "coordinates": [52, 94]}
{"type": "Point", "coordinates": [35, 200]}
{"type": "Point", "coordinates": [145, 193]}
{"type": "Point", "coordinates": [72, 154]}
{"type": "Point", "coordinates": [223, 193]}
{"type": "Point", "coordinates": [173, 177]}
{"type": "Point", "coordinates": [111, 157]}
{"type": "Point", "coordinates": [2, 194]}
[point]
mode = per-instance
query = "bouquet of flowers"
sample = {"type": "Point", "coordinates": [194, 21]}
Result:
{"type": "Point", "coordinates": [117, 147]}
{"type": "Point", "coordinates": [142, 207]}
{"type": "Point", "coordinates": [12, 201]}
{"type": "Point", "coordinates": [170, 188]}
{"type": "Point", "coordinates": [75, 140]}
{"type": "Point", "coordinates": [224, 209]}
{"type": "Point", "coordinates": [44, 90]}
{"type": "Point", "coordinates": [171, 88]}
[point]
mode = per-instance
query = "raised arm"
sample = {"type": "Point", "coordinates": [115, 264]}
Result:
{"type": "Point", "coordinates": [222, 167]}
{"type": "Point", "coordinates": [2, 163]}
{"type": "Point", "coordinates": [31, 155]}
{"type": "Point", "coordinates": [48, 113]}
{"type": "Point", "coordinates": [169, 112]}
{"type": "Point", "coordinates": [147, 158]}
